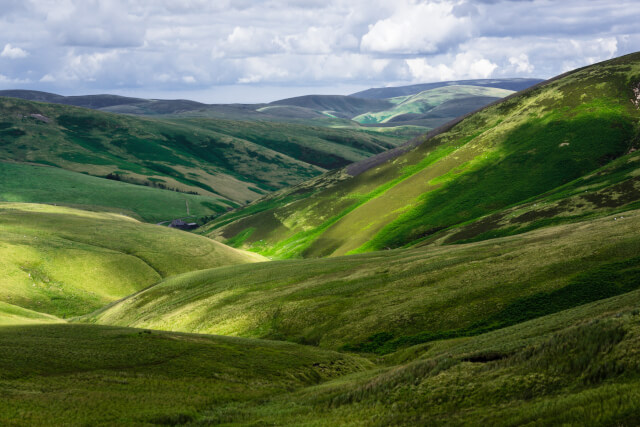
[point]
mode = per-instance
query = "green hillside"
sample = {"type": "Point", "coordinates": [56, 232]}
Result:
{"type": "Point", "coordinates": [427, 101]}
{"type": "Point", "coordinates": [67, 262]}
{"type": "Point", "coordinates": [21, 182]}
{"type": "Point", "coordinates": [384, 301]}
{"type": "Point", "coordinates": [91, 375]}
{"type": "Point", "coordinates": [236, 161]}
{"type": "Point", "coordinates": [573, 368]}
{"type": "Point", "coordinates": [545, 140]}
{"type": "Point", "coordinates": [542, 327]}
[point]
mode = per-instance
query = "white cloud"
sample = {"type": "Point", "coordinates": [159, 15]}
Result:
{"type": "Point", "coordinates": [417, 28]}
{"type": "Point", "coordinates": [13, 52]}
{"type": "Point", "coordinates": [463, 66]}
{"type": "Point", "coordinates": [521, 64]}
{"type": "Point", "coordinates": [9, 80]}
{"type": "Point", "coordinates": [164, 46]}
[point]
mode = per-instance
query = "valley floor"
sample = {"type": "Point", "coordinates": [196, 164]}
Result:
{"type": "Point", "coordinates": [542, 328]}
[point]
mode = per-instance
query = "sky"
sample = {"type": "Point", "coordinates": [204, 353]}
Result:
{"type": "Point", "coordinates": [221, 51]}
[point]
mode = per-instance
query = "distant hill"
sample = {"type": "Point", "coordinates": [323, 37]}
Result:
{"type": "Point", "coordinates": [391, 92]}
{"type": "Point", "coordinates": [227, 160]}
{"type": "Point", "coordinates": [87, 101]}
{"type": "Point", "coordinates": [434, 106]}
{"type": "Point", "coordinates": [324, 110]}
{"type": "Point", "coordinates": [341, 106]}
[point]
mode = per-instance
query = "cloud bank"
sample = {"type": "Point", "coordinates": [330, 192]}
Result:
{"type": "Point", "coordinates": [241, 50]}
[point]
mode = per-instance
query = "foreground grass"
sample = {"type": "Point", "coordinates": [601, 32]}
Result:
{"type": "Point", "coordinates": [67, 262]}
{"type": "Point", "coordinates": [385, 301]}
{"type": "Point", "coordinates": [92, 375]}
{"type": "Point", "coordinates": [577, 367]}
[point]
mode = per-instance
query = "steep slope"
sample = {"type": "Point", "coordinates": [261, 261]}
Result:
{"type": "Point", "coordinates": [66, 262]}
{"type": "Point", "coordinates": [384, 301]}
{"type": "Point", "coordinates": [195, 155]}
{"type": "Point", "coordinates": [508, 154]}
{"type": "Point", "coordinates": [516, 85]}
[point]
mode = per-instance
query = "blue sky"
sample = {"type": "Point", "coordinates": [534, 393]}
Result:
{"type": "Point", "coordinates": [255, 51]}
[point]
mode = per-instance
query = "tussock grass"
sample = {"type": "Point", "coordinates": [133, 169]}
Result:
{"type": "Point", "coordinates": [83, 374]}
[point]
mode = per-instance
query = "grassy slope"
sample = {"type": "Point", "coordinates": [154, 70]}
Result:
{"type": "Point", "coordinates": [13, 315]}
{"type": "Point", "coordinates": [576, 367]}
{"type": "Point", "coordinates": [67, 262]}
{"type": "Point", "coordinates": [557, 133]}
{"type": "Point", "coordinates": [425, 101]}
{"type": "Point", "coordinates": [41, 184]}
{"type": "Point", "coordinates": [384, 301]}
{"type": "Point", "coordinates": [194, 155]}
{"type": "Point", "coordinates": [320, 146]}
{"type": "Point", "coordinates": [92, 375]}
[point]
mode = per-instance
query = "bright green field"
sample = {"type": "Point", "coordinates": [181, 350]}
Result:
{"type": "Point", "coordinates": [40, 184]}
{"type": "Point", "coordinates": [67, 262]}
{"type": "Point", "coordinates": [540, 328]}
{"type": "Point", "coordinates": [507, 155]}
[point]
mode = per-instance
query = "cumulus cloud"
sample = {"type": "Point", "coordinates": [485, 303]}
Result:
{"type": "Point", "coordinates": [467, 65]}
{"type": "Point", "coordinates": [162, 46]}
{"type": "Point", "coordinates": [13, 52]}
{"type": "Point", "coordinates": [418, 28]}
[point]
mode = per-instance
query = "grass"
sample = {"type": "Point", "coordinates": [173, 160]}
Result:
{"type": "Point", "coordinates": [560, 133]}
{"type": "Point", "coordinates": [40, 184]}
{"type": "Point", "coordinates": [82, 374]}
{"type": "Point", "coordinates": [576, 367]}
{"type": "Point", "coordinates": [385, 301]}
{"type": "Point", "coordinates": [234, 160]}
{"type": "Point", "coordinates": [66, 262]}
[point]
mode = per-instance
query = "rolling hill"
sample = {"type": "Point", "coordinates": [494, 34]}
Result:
{"type": "Point", "coordinates": [384, 301]}
{"type": "Point", "coordinates": [32, 183]}
{"type": "Point", "coordinates": [63, 261]}
{"type": "Point", "coordinates": [574, 137]}
{"type": "Point", "coordinates": [538, 327]}
{"type": "Point", "coordinates": [233, 162]}
{"type": "Point", "coordinates": [444, 103]}
{"type": "Point", "coordinates": [290, 109]}
{"type": "Point", "coordinates": [515, 85]}
{"type": "Point", "coordinates": [493, 277]}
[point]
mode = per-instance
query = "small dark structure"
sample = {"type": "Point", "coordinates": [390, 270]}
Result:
{"type": "Point", "coordinates": [178, 223]}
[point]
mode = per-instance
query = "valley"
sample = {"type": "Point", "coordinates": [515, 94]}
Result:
{"type": "Point", "coordinates": [453, 254]}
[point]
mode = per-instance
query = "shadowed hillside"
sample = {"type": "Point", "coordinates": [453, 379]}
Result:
{"type": "Point", "coordinates": [515, 152]}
